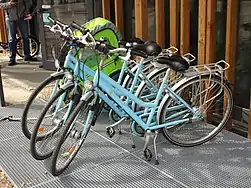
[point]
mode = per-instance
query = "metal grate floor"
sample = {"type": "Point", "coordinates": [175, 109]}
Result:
{"type": "Point", "coordinates": [104, 162]}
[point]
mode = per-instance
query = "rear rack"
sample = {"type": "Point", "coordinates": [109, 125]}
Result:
{"type": "Point", "coordinates": [213, 68]}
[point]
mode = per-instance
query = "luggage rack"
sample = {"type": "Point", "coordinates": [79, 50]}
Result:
{"type": "Point", "coordinates": [212, 68]}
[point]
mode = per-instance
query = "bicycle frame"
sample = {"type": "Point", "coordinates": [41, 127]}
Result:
{"type": "Point", "coordinates": [80, 70]}
{"type": "Point", "coordinates": [115, 91]}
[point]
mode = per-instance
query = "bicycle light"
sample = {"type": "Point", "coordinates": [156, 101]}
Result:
{"type": "Point", "coordinates": [68, 76]}
{"type": "Point", "coordinates": [88, 85]}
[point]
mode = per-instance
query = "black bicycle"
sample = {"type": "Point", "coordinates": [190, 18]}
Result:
{"type": "Point", "coordinates": [33, 42]}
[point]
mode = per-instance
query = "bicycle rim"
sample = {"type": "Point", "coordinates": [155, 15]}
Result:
{"type": "Point", "coordinates": [36, 102]}
{"type": "Point", "coordinates": [48, 127]}
{"type": "Point", "coordinates": [211, 98]}
{"type": "Point", "coordinates": [73, 137]}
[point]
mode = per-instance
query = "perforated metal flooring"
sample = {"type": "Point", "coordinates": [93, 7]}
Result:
{"type": "Point", "coordinates": [104, 162]}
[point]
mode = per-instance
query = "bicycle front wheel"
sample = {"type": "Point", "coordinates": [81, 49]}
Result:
{"type": "Point", "coordinates": [73, 137]}
{"type": "Point", "coordinates": [210, 98]}
{"type": "Point", "coordinates": [36, 102]}
{"type": "Point", "coordinates": [48, 126]}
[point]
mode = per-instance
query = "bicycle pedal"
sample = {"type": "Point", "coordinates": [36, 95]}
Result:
{"type": "Point", "coordinates": [110, 131]}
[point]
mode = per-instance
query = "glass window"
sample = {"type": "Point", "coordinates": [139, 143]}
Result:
{"type": "Point", "coordinates": [243, 64]}
{"type": "Point", "coordinates": [65, 11]}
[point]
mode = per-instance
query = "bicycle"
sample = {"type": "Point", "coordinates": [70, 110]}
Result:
{"type": "Point", "coordinates": [80, 70]}
{"type": "Point", "coordinates": [34, 46]}
{"type": "Point", "coordinates": [153, 118]}
{"type": "Point", "coordinates": [52, 83]}
{"type": "Point", "coordinates": [33, 42]}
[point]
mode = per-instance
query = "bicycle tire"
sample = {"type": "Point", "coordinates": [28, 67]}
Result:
{"type": "Point", "coordinates": [35, 137]}
{"type": "Point", "coordinates": [80, 107]}
{"type": "Point", "coordinates": [33, 52]}
{"type": "Point", "coordinates": [26, 131]}
{"type": "Point", "coordinates": [212, 134]}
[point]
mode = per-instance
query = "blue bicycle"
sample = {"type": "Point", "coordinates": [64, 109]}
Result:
{"type": "Point", "coordinates": [172, 109]}
{"type": "Point", "coordinates": [64, 99]}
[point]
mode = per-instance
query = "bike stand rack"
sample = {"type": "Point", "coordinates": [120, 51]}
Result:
{"type": "Point", "coordinates": [2, 100]}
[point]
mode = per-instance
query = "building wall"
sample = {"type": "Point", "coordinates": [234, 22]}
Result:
{"type": "Point", "coordinates": [243, 65]}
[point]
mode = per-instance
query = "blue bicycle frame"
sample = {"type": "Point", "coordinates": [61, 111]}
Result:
{"type": "Point", "coordinates": [80, 70]}
{"type": "Point", "coordinates": [107, 87]}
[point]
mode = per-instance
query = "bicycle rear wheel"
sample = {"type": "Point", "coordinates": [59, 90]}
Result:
{"type": "Point", "coordinates": [48, 126]}
{"type": "Point", "coordinates": [73, 137]}
{"type": "Point", "coordinates": [210, 98]}
{"type": "Point", "coordinates": [36, 102]}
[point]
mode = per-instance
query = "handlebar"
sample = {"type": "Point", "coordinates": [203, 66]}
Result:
{"type": "Point", "coordinates": [88, 40]}
{"type": "Point", "coordinates": [59, 27]}
{"type": "Point", "coordinates": [76, 26]}
{"type": "Point", "coordinates": [108, 49]}
{"type": "Point", "coordinates": [55, 21]}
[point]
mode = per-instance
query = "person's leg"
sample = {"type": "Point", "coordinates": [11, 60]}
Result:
{"type": "Point", "coordinates": [23, 28]}
{"type": "Point", "coordinates": [12, 31]}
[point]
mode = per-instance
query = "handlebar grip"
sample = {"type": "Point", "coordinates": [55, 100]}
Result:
{"type": "Point", "coordinates": [76, 26]}
{"type": "Point", "coordinates": [139, 53]}
{"type": "Point", "coordinates": [51, 19]}
{"type": "Point", "coordinates": [55, 21]}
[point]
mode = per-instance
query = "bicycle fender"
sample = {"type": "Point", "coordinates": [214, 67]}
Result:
{"type": "Point", "coordinates": [176, 86]}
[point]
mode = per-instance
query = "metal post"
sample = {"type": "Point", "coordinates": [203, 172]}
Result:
{"type": "Point", "coordinates": [249, 118]}
{"type": "Point", "coordinates": [2, 101]}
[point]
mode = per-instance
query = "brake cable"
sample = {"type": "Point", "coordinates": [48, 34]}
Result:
{"type": "Point", "coordinates": [10, 118]}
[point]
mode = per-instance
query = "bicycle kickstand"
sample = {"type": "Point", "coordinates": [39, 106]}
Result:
{"type": "Point", "coordinates": [147, 152]}
{"type": "Point", "coordinates": [155, 147]}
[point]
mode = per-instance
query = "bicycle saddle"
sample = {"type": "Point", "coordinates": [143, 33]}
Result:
{"type": "Point", "coordinates": [175, 62]}
{"type": "Point", "coordinates": [132, 42]}
{"type": "Point", "coordinates": [149, 47]}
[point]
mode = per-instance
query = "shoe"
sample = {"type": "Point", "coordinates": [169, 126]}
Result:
{"type": "Point", "coordinates": [12, 63]}
{"type": "Point", "coordinates": [30, 59]}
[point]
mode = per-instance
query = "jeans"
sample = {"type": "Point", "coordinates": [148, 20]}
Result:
{"type": "Point", "coordinates": [12, 26]}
